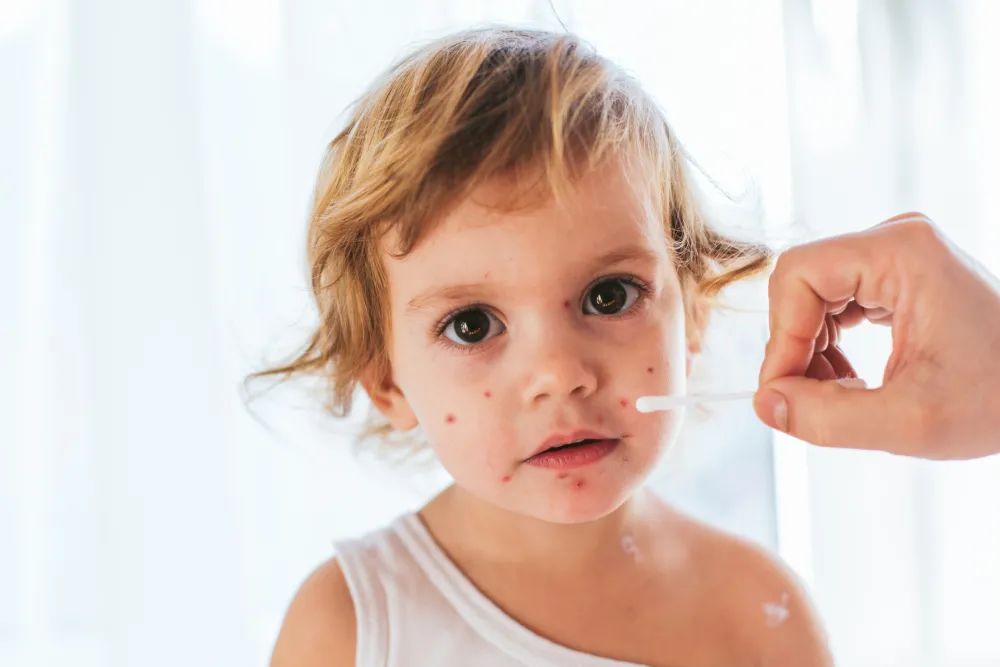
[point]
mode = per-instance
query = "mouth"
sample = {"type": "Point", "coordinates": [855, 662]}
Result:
{"type": "Point", "coordinates": [578, 449]}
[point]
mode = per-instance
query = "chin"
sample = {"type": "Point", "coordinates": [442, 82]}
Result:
{"type": "Point", "coordinates": [588, 493]}
{"type": "Point", "coordinates": [583, 499]}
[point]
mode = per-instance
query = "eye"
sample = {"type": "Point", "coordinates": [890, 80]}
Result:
{"type": "Point", "coordinates": [469, 326]}
{"type": "Point", "coordinates": [612, 296]}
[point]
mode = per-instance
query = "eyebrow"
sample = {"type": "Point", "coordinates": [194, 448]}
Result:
{"type": "Point", "coordinates": [464, 290]}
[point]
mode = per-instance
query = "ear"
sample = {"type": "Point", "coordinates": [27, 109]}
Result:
{"type": "Point", "coordinates": [696, 312]}
{"type": "Point", "coordinates": [693, 350]}
{"type": "Point", "coordinates": [388, 398]}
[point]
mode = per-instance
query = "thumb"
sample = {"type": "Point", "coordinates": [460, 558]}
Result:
{"type": "Point", "coordinates": [832, 413]}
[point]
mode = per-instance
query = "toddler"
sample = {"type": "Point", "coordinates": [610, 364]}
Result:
{"type": "Point", "coordinates": [505, 252]}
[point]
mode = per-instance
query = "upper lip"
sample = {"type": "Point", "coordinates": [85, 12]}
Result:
{"type": "Point", "coordinates": [566, 437]}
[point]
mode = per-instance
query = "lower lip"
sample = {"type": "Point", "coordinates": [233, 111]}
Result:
{"type": "Point", "coordinates": [574, 457]}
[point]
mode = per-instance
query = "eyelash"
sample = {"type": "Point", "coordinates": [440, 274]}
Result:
{"type": "Point", "coordinates": [443, 323]}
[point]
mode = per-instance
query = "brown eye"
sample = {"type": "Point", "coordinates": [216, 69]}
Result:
{"type": "Point", "coordinates": [609, 297]}
{"type": "Point", "coordinates": [470, 326]}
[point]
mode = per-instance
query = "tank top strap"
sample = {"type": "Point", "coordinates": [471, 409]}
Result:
{"type": "Point", "coordinates": [371, 609]}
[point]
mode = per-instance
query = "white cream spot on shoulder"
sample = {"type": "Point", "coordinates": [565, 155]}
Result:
{"type": "Point", "coordinates": [776, 613]}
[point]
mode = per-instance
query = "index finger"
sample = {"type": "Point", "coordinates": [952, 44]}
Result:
{"type": "Point", "coordinates": [816, 278]}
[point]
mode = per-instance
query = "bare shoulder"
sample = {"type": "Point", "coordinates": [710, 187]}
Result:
{"type": "Point", "coordinates": [770, 614]}
{"type": "Point", "coordinates": [319, 626]}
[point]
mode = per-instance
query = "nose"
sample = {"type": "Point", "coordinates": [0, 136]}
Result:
{"type": "Point", "coordinates": [558, 368]}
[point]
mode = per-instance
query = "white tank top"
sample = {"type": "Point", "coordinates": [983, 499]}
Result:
{"type": "Point", "coordinates": [415, 607]}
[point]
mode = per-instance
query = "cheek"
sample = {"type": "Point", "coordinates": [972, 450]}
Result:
{"type": "Point", "coordinates": [463, 431]}
{"type": "Point", "coordinates": [455, 408]}
{"type": "Point", "coordinates": [443, 394]}
{"type": "Point", "coordinates": [654, 352]}
{"type": "Point", "coordinates": [480, 466]}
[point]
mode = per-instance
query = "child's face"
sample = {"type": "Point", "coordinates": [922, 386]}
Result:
{"type": "Point", "coordinates": [542, 335]}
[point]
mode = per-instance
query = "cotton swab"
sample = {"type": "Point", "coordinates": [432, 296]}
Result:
{"type": "Point", "coordinates": [653, 403]}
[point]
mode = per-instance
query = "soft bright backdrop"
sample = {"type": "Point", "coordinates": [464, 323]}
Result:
{"type": "Point", "coordinates": [157, 162]}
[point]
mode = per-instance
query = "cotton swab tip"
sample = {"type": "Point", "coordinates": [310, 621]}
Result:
{"type": "Point", "coordinates": [654, 403]}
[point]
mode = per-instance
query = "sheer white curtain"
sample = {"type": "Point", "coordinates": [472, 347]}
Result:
{"type": "Point", "coordinates": [894, 108]}
{"type": "Point", "coordinates": [157, 163]}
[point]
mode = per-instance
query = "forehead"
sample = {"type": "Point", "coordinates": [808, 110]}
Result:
{"type": "Point", "coordinates": [483, 238]}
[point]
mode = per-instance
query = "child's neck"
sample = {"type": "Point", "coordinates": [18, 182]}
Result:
{"type": "Point", "coordinates": [471, 528]}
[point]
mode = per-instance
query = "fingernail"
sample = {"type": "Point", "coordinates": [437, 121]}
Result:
{"type": "Point", "coordinates": [781, 412]}
{"type": "Point", "coordinates": [852, 383]}
{"type": "Point", "coordinates": [774, 403]}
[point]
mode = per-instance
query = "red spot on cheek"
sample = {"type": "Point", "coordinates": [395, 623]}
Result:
{"type": "Point", "coordinates": [505, 479]}
{"type": "Point", "coordinates": [563, 475]}
{"type": "Point", "coordinates": [578, 484]}
{"type": "Point", "coordinates": [450, 418]}
{"type": "Point", "coordinates": [487, 393]}
{"type": "Point", "coordinates": [623, 402]}
{"type": "Point", "coordinates": [649, 369]}
{"type": "Point", "coordinates": [566, 304]}
{"type": "Point", "coordinates": [600, 420]}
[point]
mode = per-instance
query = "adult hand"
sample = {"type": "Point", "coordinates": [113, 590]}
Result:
{"type": "Point", "coordinates": [940, 393]}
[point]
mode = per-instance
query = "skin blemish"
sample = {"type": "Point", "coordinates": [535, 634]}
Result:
{"type": "Point", "coordinates": [649, 369]}
{"type": "Point", "coordinates": [578, 484]}
{"type": "Point", "coordinates": [566, 304]}
{"type": "Point", "coordinates": [487, 393]}
{"type": "Point", "coordinates": [505, 479]}
{"type": "Point", "coordinates": [450, 418]}
{"type": "Point", "coordinates": [623, 402]}
{"type": "Point", "coordinates": [600, 420]}
{"type": "Point", "coordinates": [628, 546]}
{"type": "Point", "coordinates": [563, 475]}
{"type": "Point", "coordinates": [776, 613]}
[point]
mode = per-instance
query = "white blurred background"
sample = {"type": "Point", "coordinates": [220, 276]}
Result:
{"type": "Point", "coordinates": [156, 163]}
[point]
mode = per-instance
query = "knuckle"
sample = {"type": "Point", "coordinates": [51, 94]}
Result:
{"type": "Point", "coordinates": [786, 263]}
{"type": "Point", "coordinates": [921, 230]}
{"type": "Point", "coordinates": [788, 258]}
